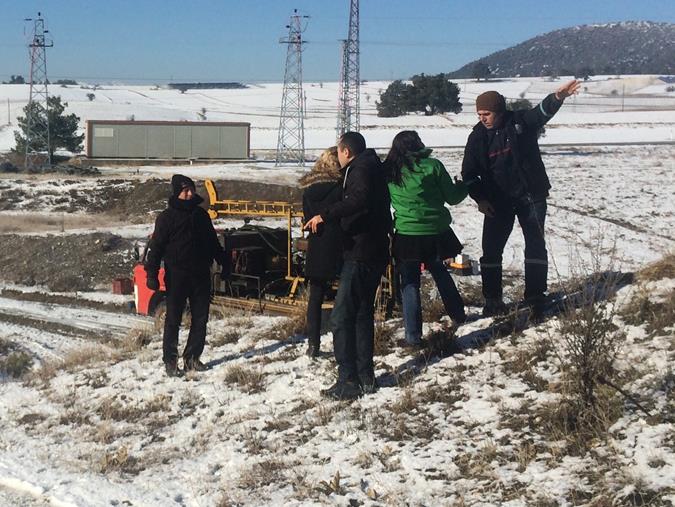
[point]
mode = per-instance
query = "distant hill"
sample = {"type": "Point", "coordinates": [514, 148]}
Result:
{"type": "Point", "coordinates": [632, 47]}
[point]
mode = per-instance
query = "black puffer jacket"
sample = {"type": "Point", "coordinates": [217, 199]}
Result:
{"type": "Point", "coordinates": [185, 238]}
{"type": "Point", "coordinates": [364, 211]}
{"type": "Point", "coordinates": [324, 252]}
{"type": "Point", "coordinates": [521, 129]}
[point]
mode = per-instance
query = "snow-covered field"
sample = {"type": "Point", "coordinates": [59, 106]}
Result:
{"type": "Point", "coordinates": [609, 109]}
{"type": "Point", "coordinates": [96, 421]}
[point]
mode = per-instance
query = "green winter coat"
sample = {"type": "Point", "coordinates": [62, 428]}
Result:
{"type": "Point", "coordinates": [419, 202]}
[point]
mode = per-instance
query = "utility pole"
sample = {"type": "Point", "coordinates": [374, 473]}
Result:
{"type": "Point", "coordinates": [291, 141]}
{"type": "Point", "coordinates": [37, 118]}
{"type": "Point", "coordinates": [350, 80]}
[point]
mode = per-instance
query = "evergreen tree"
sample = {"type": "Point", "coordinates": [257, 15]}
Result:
{"type": "Point", "coordinates": [393, 100]}
{"type": "Point", "coordinates": [428, 94]}
{"type": "Point", "coordinates": [62, 127]}
{"type": "Point", "coordinates": [434, 94]}
{"type": "Point", "coordinates": [480, 71]}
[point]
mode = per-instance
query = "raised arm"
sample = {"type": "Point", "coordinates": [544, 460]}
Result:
{"type": "Point", "coordinates": [539, 115]}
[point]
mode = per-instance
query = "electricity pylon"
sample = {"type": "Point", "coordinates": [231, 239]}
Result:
{"type": "Point", "coordinates": [291, 142]}
{"type": "Point", "coordinates": [350, 81]}
{"type": "Point", "coordinates": [37, 119]}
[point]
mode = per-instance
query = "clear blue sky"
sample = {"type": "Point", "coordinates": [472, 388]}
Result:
{"type": "Point", "coordinates": [155, 41]}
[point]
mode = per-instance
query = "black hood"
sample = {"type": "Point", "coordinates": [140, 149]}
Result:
{"type": "Point", "coordinates": [179, 182]}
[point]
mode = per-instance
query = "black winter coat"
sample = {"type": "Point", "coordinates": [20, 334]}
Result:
{"type": "Point", "coordinates": [324, 251]}
{"type": "Point", "coordinates": [185, 238]}
{"type": "Point", "coordinates": [521, 129]}
{"type": "Point", "coordinates": [364, 211]}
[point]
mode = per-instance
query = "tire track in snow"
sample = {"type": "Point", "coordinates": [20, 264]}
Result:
{"type": "Point", "coordinates": [73, 320]}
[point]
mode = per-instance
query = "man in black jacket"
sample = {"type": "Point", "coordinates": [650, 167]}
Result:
{"type": "Point", "coordinates": [506, 176]}
{"type": "Point", "coordinates": [365, 219]}
{"type": "Point", "coordinates": [185, 238]}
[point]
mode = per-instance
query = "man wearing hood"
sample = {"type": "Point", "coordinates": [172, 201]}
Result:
{"type": "Point", "coordinates": [506, 176]}
{"type": "Point", "coordinates": [365, 220]}
{"type": "Point", "coordinates": [185, 239]}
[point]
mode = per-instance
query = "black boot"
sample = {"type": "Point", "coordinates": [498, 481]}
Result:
{"type": "Point", "coordinates": [343, 390]}
{"type": "Point", "coordinates": [313, 349]}
{"type": "Point", "coordinates": [172, 369]}
{"type": "Point", "coordinates": [192, 364]}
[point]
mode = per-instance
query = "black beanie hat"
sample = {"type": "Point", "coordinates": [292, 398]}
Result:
{"type": "Point", "coordinates": [179, 182]}
{"type": "Point", "coordinates": [491, 101]}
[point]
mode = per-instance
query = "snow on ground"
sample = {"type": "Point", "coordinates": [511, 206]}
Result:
{"type": "Point", "coordinates": [103, 425]}
{"type": "Point", "coordinates": [255, 429]}
{"type": "Point", "coordinates": [635, 112]}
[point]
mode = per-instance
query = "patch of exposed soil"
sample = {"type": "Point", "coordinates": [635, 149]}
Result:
{"type": "Point", "coordinates": [80, 262]}
{"type": "Point", "coordinates": [130, 200]}
{"type": "Point", "coordinates": [64, 263]}
{"type": "Point", "coordinates": [150, 197]}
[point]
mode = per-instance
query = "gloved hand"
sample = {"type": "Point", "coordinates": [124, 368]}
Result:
{"type": "Point", "coordinates": [225, 272]}
{"type": "Point", "coordinates": [152, 283]}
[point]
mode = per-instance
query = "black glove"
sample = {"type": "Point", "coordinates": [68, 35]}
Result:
{"type": "Point", "coordinates": [152, 283]}
{"type": "Point", "coordinates": [225, 265]}
{"type": "Point", "coordinates": [225, 272]}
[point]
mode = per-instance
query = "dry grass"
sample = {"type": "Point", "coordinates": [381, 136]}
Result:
{"type": "Point", "coordinates": [384, 338]}
{"type": "Point", "coordinates": [138, 338]}
{"type": "Point", "coordinates": [586, 352]}
{"type": "Point", "coordinates": [471, 292]}
{"type": "Point", "coordinates": [324, 413]}
{"type": "Point", "coordinates": [447, 394]}
{"type": "Point", "coordinates": [250, 380]}
{"type": "Point", "coordinates": [96, 379]}
{"type": "Point", "coordinates": [16, 364]}
{"type": "Point", "coordinates": [72, 362]}
{"type": "Point", "coordinates": [416, 424]}
{"type": "Point", "coordinates": [289, 327]}
{"type": "Point", "coordinates": [580, 428]}
{"type": "Point", "coordinates": [663, 268]}
{"type": "Point", "coordinates": [433, 309]}
{"type": "Point", "coordinates": [123, 410]}
{"type": "Point", "coordinates": [265, 472]}
{"type": "Point", "coordinates": [523, 361]}
{"type": "Point", "coordinates": [406, 403]}
{"type": "Point", "coordinates": [657, 315]}
{"type": "Point", "coordinates": [119, 460]}
{"type": "Point", "coordinates": [225, 337]}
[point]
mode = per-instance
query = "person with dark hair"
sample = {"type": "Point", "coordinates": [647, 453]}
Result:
{"type": "Point", "coordinates": [365, 219]}
{"type": "Point", "coordinates": [322, 188]}
{"type": "Point", "coordinates": [185, 239]}
{"type": "Point", "coordinates": [420, 187]}
{"type": "Point", "coordinates": [506, 176]}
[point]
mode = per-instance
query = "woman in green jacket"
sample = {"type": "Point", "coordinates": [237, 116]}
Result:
{"type": "Point", "coordinates": [420, 187]}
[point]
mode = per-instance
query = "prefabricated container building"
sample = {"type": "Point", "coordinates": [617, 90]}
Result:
{"type": "Point", "coordinates": [168, 139]}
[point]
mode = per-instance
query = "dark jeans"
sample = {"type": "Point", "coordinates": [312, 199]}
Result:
{"type": "Point", "coordinates": [353, 320]}
{"type": "Point", "coordinates": [496, 231]}
{"type": "Point", "coordinates": [183, 286]}
{"type": "Point", "coordinates": [317, 293]}
{"type": "Point", "coordinates": [410, 295]}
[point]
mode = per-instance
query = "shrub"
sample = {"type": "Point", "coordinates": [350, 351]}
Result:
{"type": "Point", "coordinates": [16, 364]}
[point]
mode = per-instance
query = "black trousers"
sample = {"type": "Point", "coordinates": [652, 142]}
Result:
{"type": "Point", "coordinates": [181, 287]}
{"type": "Point", "coordinates": [496, 231]}
{"type": "Point", "coordinates": [353, 320]}
{"type": "Point", "coordinates": [317, 293]}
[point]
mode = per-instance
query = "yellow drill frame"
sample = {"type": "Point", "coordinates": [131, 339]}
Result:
{"type": "Point", "coordinates": [280, 209]}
